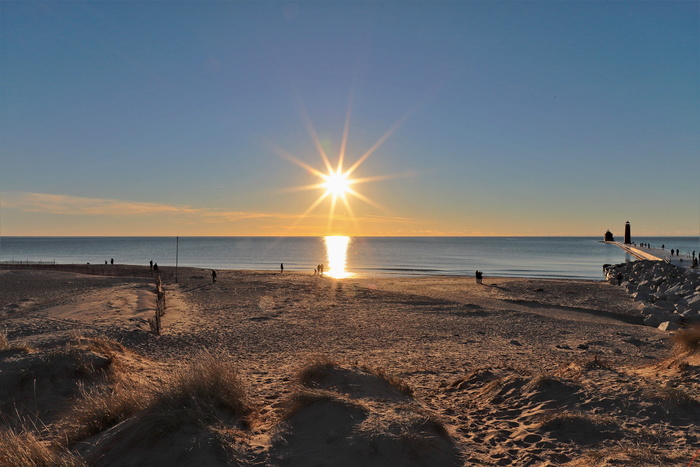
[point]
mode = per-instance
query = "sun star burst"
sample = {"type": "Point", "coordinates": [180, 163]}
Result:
{"type": "Point", "coordinates": [336, 181]}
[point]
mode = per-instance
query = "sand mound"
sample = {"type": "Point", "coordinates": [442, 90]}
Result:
{"type": "Point", "coordinates": [42, 383]}
{"type": "Point", "coordinates": [582, 428]}
{"type": "Point", "coordinates": [518, 419]}
{"type": "Point", "coordinates": [196, 416]}
{"type": "Point", "coordinates": [353, 416]}
{"type": "Point", "coordinates": [356, 383]}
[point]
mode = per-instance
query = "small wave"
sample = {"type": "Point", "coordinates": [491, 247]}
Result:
{"type": "Point", "coordinates": [402, 269]}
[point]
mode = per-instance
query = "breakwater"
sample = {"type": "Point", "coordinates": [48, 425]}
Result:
{"type": "Point", "coordinates": [670, 294]}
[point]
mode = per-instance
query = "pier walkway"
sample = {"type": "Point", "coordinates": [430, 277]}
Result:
{"type": "Point", "coordinates": [657, 254]}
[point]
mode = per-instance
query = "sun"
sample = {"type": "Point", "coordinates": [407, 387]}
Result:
{"type": "Point", "coordinates": [337, 183]}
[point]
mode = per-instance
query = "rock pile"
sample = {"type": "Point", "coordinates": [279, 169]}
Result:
{"type": "Point", "coordinates": [671, 295]}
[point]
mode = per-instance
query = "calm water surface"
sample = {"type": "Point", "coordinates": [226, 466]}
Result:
{"type": "Point", "coordinates": [557, 257]}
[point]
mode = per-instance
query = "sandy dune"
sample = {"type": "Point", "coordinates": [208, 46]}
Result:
{"type": "Point", "coordinates": [365, 371]}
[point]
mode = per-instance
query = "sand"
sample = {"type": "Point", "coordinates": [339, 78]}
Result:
{"type": "Point", "coordinates": [432, 370]}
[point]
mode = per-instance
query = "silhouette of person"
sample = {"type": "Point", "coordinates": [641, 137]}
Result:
{"type": "Point", "coordinates": [105, 261]}
{"type": "Point", "coordinates": [281, 268]}
{"type": "Point", "coordinates": [155, 267]}
{"type": "Point", "coordinates": [111, 261]}
{"type": "Point", "coordinates": [213, 276]}
{"type": "Point", "coordinates": [322, 268]}
{"type": "Point", "coordinates": [151, 265]}
{"type": "Point", "coordinates": [619, 278]}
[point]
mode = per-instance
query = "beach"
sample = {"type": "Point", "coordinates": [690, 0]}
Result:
{"type": "Point", "coordinates": [405, 370]}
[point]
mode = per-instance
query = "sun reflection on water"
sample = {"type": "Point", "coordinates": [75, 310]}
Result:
{"type": "Point", "coordinates": [337, 254]}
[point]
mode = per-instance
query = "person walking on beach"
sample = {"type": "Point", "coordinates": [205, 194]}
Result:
{"type": "Point", "coordinates": [281, 268]}
{"type": "Point", "coordinates": [111, 261]}
{"type": "Point", "coordinates": [213, 276]}
{"type": "Point", "coordinates": [619, 278]}
{"type": "Point", "coordinates": [479, 276]}
{"type": "Point", "coordinates": [151, 265]}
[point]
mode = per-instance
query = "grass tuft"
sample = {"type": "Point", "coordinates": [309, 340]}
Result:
{"type": "Point", "coordinates": [202, 391]}
{"type": "Point", "coordinates": [673, 397]}
{"type": "Point", "coordinates": [205, 391]}
{"type": "Point", "coordinates": [687, 340]}
{"type": "Point", "coordinates": [393, 380]}
{"type": "Point", "coordinates": [5, 343]}
{"type": "Point", "coordinates": [23, 447]}
{"type": "Point", "coordinates": [313, 369]}
{"type": "Point", "coordinates": [100, 408]}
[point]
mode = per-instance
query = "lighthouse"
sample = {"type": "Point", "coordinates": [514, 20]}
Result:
{"type": "Point", "coordinates": [628, 236]}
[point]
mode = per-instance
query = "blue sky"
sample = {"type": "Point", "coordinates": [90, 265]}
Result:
{"type": "Point", "coordinates": [495, 118]}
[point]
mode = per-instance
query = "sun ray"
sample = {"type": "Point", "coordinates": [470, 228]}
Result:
{"type": "Point", "coordinates": [376, 145]}
{"type": "Point", "coordinates": [300, 163]}
{"type": "Point", "coordinates": [318, 201]}
{"type": "Point", "coordinates": [331, 217]}
{"type": "Point", "coordinates": [378, 178]}
{"type": "Point", "coordinates": [317, 141]}
{"type": "Point", "coordinates": [352, 214]}
{"type": "Point", "coordinates": [365, 199]}
{"type": "Point", "coordinates": [336, 181]}
{"type": "Point", "coordinates": [346, 131]}
{"type": "Point", "coordinates": [294, 189]}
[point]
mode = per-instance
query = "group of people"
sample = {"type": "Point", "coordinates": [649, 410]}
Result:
{"type": "Point", "coordinates": [479, 277]}
{"type": "Point", "coordinates": [154, 266]}
{"type": "Point", "coordinates": [319, 270]}
{"type": "Point", "coordinates": [111, 261]}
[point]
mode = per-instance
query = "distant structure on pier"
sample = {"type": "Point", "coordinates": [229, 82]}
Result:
{"type": "Point", "coordinates": [608, 237]}
{"type": "Point", "coordinates": [628, 236]}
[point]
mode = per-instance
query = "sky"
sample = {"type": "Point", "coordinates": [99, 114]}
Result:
{"type": "Point", "coordinates": [458, 118]}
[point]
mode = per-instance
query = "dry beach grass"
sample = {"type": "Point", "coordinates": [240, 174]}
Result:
{"type": "Point", "coordinates": [264, 368]}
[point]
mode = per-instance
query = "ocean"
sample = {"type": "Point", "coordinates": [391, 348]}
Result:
{"type": "Point", "coordinates": [544, 257]}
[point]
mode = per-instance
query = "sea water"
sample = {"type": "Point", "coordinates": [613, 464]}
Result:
{"type": "Point", "coordinates": [547, 257]}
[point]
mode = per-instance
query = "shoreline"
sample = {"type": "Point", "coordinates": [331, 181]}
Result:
{"type": "Point", "coordinates": [123, 269]}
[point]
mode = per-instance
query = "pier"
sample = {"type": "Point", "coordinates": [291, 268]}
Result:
{"type": "Point", "coordinates": [683, 260]}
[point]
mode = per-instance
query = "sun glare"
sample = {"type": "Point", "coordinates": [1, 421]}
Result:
{"type": "Point", "coordinates": [337, 183]}
{"type": "Point", "coordinates": [337, 255]}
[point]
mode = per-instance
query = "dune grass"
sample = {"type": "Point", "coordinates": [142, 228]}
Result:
{"type": "Point", "coordinates": [687, 340]}
{"type": "Point", "coordinates": [393, 380]}
{"type": "Point", "coordinates": [208, 385]}
{"type": "Point", "coordinates": [24, 448]}
{"type": "Point", "coordinates": [102, 407]}
{"type": "Point", "coordinates": [317, 366]}
{"type": "Point", "coordinates": [203, 391]}
{"type": "Point", "coordinates": [6, 345]}
{"type": "Point", "coordinates": [630, 454]}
